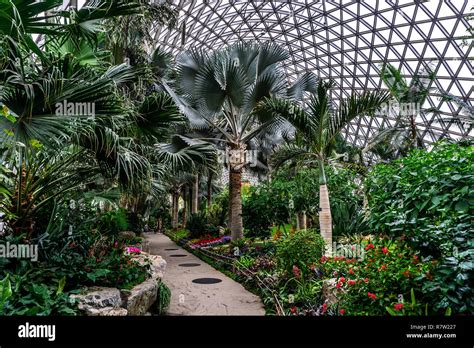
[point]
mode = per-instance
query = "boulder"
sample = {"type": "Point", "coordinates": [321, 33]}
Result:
{"type": "Point", "coordinates": [100, 301]}
{"type": "Point", "coordinates": [126, 235]}
{"type": "Point", "coordinates": [103, 301]}
{"type": "Point", "coordinates": [142, 297]}
{"type": "Point", "coordinates": [156, 262]}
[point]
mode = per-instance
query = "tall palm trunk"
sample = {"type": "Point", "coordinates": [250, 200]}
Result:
{"type": "Point", "coordinates": [185, 208]}
{"type": "Point", "coordinates": [195, 194]}
{"type": "Point", "coordinates": [209, 190]}
{"type": "Point", "coordinates": [301, 220]}
{"type": "Point", "coordinates": [174, 211]}
{"type": "Point", "coordinates": [235, 198]}
{"type": "Point", "coordinates": [325, 218]}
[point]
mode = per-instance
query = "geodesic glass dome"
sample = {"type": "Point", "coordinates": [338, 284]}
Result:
{"type": "Point", "coordinates": [349, 41]}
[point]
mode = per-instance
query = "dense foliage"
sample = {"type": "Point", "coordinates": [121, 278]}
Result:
{"type": "Point", "coordinates": [428, 197]}
{"type": "Point", "coordinates": [277, 201]}
{"type": "Point", "coordinates": [300, 249]}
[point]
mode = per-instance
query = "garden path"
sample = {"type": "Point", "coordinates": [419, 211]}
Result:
{"type": "Point", "coordinates": [187, 298]}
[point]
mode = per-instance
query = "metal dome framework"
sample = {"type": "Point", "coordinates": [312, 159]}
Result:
{"type": "Point", "coordinates": [348, 41]}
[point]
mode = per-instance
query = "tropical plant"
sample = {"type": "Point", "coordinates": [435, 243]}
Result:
{"type": "Point", "coordinates": [431, 203]}
{"type": "Point", "coordinates": [318, 125]}
{"type": "Point", "coordinates": [410, 98]}
{"type": "Point", "coordinates": [383, 275]}
{"type": "Point", "coordinates": [221, 90]}
{"type": "Point", "coordinates": [300, 249]}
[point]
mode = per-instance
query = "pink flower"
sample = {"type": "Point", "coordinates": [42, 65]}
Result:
{"type": "Point", "coordinates": [366, 280]}
{"type": "Point", "coordinates": [342, 311]}
{"type": "Point", "coordinates": [385, 250]}
{"type": "Point", "coordinates": [351, 282]}
{"type": "Point", "coordinates": [338, 285]}
{"type": "Point", "coordinates": [324, 308]}
{"type": "Point", "coordinates": [342, 279]}
{"type": "Point", "coordinates": [296, 271]}
{"type": "Point", "coordinates": [398, 306]}
{"type": "Point", "coordinates": [351, 271]}
{"type": "Point", "coordinates": [323, 258]}
{"type": "Point", "coordinates": [132, 250]}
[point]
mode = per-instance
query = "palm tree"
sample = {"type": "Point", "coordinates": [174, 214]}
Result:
{"type": "Point", "coordinates": [221, 90]}
{"type": "Point", "coordinates": [410, 97]}
{"type": "Point", "coordinates": [122, 141]}
{"type": "Point", "coordinates": [318, 124]}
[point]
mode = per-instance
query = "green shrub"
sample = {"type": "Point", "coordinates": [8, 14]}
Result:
{"type": "Point", "coordinates": [114, 221]}
{"type": "Point", "coordinates": [301, 248]}
{"type": "Point", "coordinates": [380, 279]}
{"type": "Point", "coordinates": [428, 197]}
{"type": "Point", "coordinates": [163, 299]}
{"type": "Point", "coordinates": [198, 225]}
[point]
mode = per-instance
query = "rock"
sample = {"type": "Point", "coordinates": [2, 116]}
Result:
{"type": "Point", "coordinates": [330, 291]}
{"type": "Point", "coordinates": [100, 301]}
{"type": "Point", "coordinates": [142, 297]}
{"type": "Point", "coordinates": [103, 301]}
{"type": "Point", "coordinates": [156, 262]}
{"type": "Point", "coordinates": [105, 312]}
{"type": "Point", "coordinates": [126, 235]}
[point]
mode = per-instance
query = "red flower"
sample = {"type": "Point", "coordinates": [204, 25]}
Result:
{"type": "Point", "coordinates": [342, 279]}
{"type": "Point", "coordinates": [385, 250]}
{"type": "Point", "coordinates": [351, 282]}
{"type": "Point", "coordinates": [383, 267]}
{"type": "Point", "coordinates": [406, 273]}
{"type": "Point", "coordinates": [369, 246]}
{"type": "Point", "coordinates": [296, 271]}
{"type": "Point", "coordinates": [372, 296]}
{"type": "Point", "coordinates": [324, 308]}
{"type": "Point", "coordinates": [398, 306]}
{"type": "Point", "coordinates": [324, 258]}
{"type": "Point", "coordinates": [293, 309]}
{"type": "Point", "coordinates": [342, 311]}
{"type": "Point", "coordinates": [351, 271]}
{"type": "Point", "coordinates": [366, 280]}
{"type": "Point", "coordinates": [338, 285]}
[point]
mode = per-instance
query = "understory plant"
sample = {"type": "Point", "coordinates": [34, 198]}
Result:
{"type": "Point", "coordinates": [383, 278]}
{"type": "Point", "coordinates": [428, 197]}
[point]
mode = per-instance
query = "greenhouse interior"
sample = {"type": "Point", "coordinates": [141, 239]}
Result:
{"type": "Point", "coordinates": [236, 158]}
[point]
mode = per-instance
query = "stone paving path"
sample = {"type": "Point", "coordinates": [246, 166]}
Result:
{"type": "Point", "coordinates": [187, 298]}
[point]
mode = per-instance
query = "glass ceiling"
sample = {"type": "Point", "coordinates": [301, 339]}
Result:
{"type": "Point", "coordinates": [348, 41]}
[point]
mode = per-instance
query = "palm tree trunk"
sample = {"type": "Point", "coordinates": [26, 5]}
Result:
{"type": "Point", "coordinates": [229, 224]}
{"type": "Point", "coordinates": [185, 210]}
{"type": "Point", "coordinates": [209, 190]}
{"type": "Point", "coordinates": [301, 220]}
{"type": "Point", "coordinates": [325, 218]}
{"type": "Point", "coordinates": [195, 193]}
{"type": "Point", "coordinates": [174, 211]}
{"type": "Point", "coordinates": [235, 198]}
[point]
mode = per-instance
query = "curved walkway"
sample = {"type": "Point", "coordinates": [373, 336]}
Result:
{"type": "Point", "coordinates": [187, 298]}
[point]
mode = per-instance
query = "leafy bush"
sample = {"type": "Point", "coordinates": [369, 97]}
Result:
{"type": "Point", "coordinates": [163, 299]}
{"type": "Point", "coordinates": [301, 249]}
{"type": "Point", "coordinates": [428, 197]}
{"type": "Point", "coordinates": [198, 225]}
{"type": "Point", "coordinates": [382, 279]}
{"type": "Point", "coordinates": [25, 297]}
{"type": "Point", "coordinates": [277, 201]}
{"type": "Point", "coordinates": [114, 221]}
{"type": "Point", "coordinates": [218, 212]}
